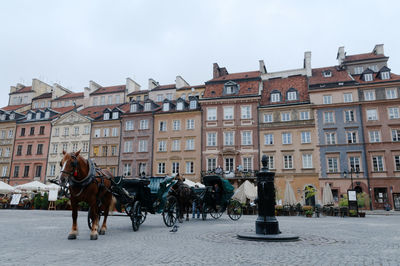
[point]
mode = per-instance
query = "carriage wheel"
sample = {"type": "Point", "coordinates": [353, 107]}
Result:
{"type": "Point", "coordinates": [170, 212]}
{"type": "Point", "coordinates": [204, 212]}
{"type": "Point", "coordinates": [235, 210]}
{"type": "Point", "coordinates": [90, 220]}
{"type": "Point", "coordinates": [217, 212]}
{"type": "Point", "coordinates": [136, 215]}
{"type": "Point", "coordinates": [144, 215]}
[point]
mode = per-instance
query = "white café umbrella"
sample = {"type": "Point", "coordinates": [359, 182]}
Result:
{"type": "Point", "coordinates": [327, 197]}
{"type": "Point", "coordinates": [32, 186]}
{"type": "Point", "coordinates": [53, 186]}
{"type": "Point", "coordinates": [200, 185]}
{"type": "Point", "coordinates": [189, 182]}
{"type": "Point", "coordinates": [289, 197]}
{"type": "Point", "coordinates": [246, 191]}
{"type": "Point", "coordinates": [5, 188]}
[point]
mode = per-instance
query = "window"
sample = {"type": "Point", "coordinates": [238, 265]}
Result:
{"type": "Point", "coordinates": [97, 133]}
{"type": "Point", "coordinates": [142, 168]}
{"type": "Point", "coordinates": [385, 75]}
{"type": "Point", "coordinates": [288, 161]}
{"type": "Point", "coordinates": [193, 105]}
{"type": "Point", "coordinates": [175, 167]}
{"type": "Point", "coordinates": [133, 108]}
{"type": "Point", "coordinates": [144, 124]}
{"type": "Point", "coordinates": [270, 162]}
{"type": "Point", "coordinates": [11, 133]}
{"type": "Point", "coordinates": [159, 97]}
{"type": "Point", "coordinates": [247, 164]}
{"type": "Point", "coordinates": [147, 106]}
{"type": "Point", "coordinates": [246, 112]}
{"type": "Point", "coordinates": [7, 152]}
{"type": "Point", "coordinates": [351, 137]}
{"type": "Point", "coordinates": [16, 171]}
{"type": "Point", "coordinates": [115, 115]}
{"type": "Point", "coordinates": [105, 151]}
{"type": "Point", "coordinates": [163, 126]}
{"type": "Point", "coordinates": [129, 125]}
{"type": "Point", "coordinates": [369, 95]}
{"type": "Point", "coordinates": [117, 99]}
{"type": "Point", "coordinates": [393, 112]}
{"type": "Point", "coordinates": [170, 96]}
{"type": "Point", "coordinates": [52, 169]}
{"type": "Point", "coordinates": [391, 93]}
{"type": "Point", "coordinates": [305, 137]}
{"type": "Point", "coordinates": [127, 169]}
{"type": "Point", "coordinates": [32, 132]}
{"type": "Point", "coordinates": [349, 116]}
{"type": "Point", "coordinates": [395, 135]}
{"type": "Point", "coordinates": [176, 145]}
{"type": "Point", "coordinates": [38, 171]}
{"type": "Point", "coordinates": [328, 117]}
{"type": "Point", "coordinates": [286, 138]}
{"type": "Point", "coordinates": [373, 68]}
{"type": "Point", "coordinates": [38, 115]}
{"type": "Point", "coordinates": [3, 134]}
{"type": "Point", "coordinates": [347, 97]}
{"type": "Point", "coordinates": [247, 138]}
{"type": "Point", "coordinates": [377, 163]}
{"type": "Point", "coordinates": [102, 100]}
{"type": "Point", "coordinates": [75, 147]}
{"type": "Point", "coordinates": [332, 164]}
{"type": "Point", "coordinates": [397, 162]}
{"type": "Point", "coordinates": [29, 116]}
{"type": "Point", "coordinates": [190, 144]}
{"type": "Point", "coordinates": [176, 125]}
{"type": "Point", "coordinates": [66, 131]}
{"type": "Point", "coordinates": [128, 147]}
{"type": "Point", "coordinates": [19, 150]}
{"type": "Point", "coordinates": [307, 161]}
{"type": "Point", "coordinates": [29, 150]}
{"type": "Point", "coordinates": [292, 96]}
{"type": "Point", "coordinates": [304, 115]}
{"type": "Point", "coordinates": [327, 99]}
{"type": "Point", "coordinates": [22, 132]}
{"type": "Point", "coordinates": [275, 97]}
{"type": "Point", "coordinates": [109, 99]}
{"type": "Point", "coordinates": [230, 89]}
{"type": "Point", "coordinates": [190, 124]}
{"type": "Point", "coordinates": [372, 115]}
{"type": "Point", "coordinates": [179, 106]}
{"type": "Point", "coordinates": [212, 139]}
{"type": "Point", "coordinates": [57, 132]}
{"type": "Point", "coordinates": [161, 168]}
{"type": "Point", "coordinates": [228, 113]}
{"type": "Point", "coordinates": [268, 118]}
{"type": "Point", "coordinates": [26, 171]}
{"type": "Point", "coordinates": [39, 149]}
{"type": "Point", "coordinates": [114, 150]}
{"type": "Point", "coordinates": [354, 163]}
{"type": "Point", "coordinates": [65, 147]}
{"type": "Point", "coordinates": [106, 132]}
{"type": "Point", "coordinates": [165, 107]}
{"type": "Point", "coordinates": [96, 151]}
{"type": "Point", "coordinates": [368, 77]}
{"type": "Point", "coordinates": [330, 138]}
{"type": "Point", "coordinates": [374, 136]}
{"type": "Point", "coordinates": [268, 139]}
{"type": "Point", "coordinates": [162, 145]}
{"type": "Point", "coordinates": [229, 166]}
{"type": "Point", "coordinates": [211, 114]}
{"type": "Point", "coordinates": [189, 167]}
{"type": "Point", "coordinates": [106, 116]}
{"type": "Point", "coordinates": [85, 147]}
{"type": "Point", "coordinates": [327, 73]}
{"type": "Point", "coordinates": [285, 116]}
{"type": "Point", "coordinates": [211, 164]}
{"type": "Point", "coordinates": [76, 131]}
{"type": "Point", "coordinates": [381, 195]}
{"type": "Point", "coordinates": [229, 138]}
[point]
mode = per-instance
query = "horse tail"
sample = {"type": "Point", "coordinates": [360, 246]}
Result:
{"type": "Point", "coordinates": [112, 204]}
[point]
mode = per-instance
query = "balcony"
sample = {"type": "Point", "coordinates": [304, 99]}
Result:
{"type": "Point", "coordinates": [237, 175]}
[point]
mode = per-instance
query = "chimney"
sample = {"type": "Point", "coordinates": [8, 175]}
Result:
{"type": "Point", "coordinates": [218, 71]}
{"type": "Point", "coordinates": [378, 49]}
{"type": "Point", "coordinates": [131, 85]}
{"type": "Point", "coordinates": [263, 69]}
{"type": "Point", "coordinates": [340, 55]}
{"type": "Point", "coordinates": [86, 95]}
{"type": "Point", "coordinates": [93, 86]}
{"type": "Point", "coordinates": [58, 91]}
{"type": "Point", "coordinates": [180, 82]}
{"type": "Point", "coordinates": [13, 89]}
{"type": "Point", "coordinates": [152, 84]}
{"type": "Point", "coordinates": [20, 86]}
{"type": "Point", "coordinates": [307, 63]}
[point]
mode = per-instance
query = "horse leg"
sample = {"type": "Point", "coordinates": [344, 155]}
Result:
{"type": "Point", "coordinates": [187, 212]}
{"type": "Point", "coordinates": [74, 230]}
{"type": "Point", "coordinates": [95, 218]}
{"type": "Point", "coordinates": [107, 204]}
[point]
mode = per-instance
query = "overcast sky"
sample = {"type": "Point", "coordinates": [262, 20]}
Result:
{"type": "Point", "coordinates": [72, 42]}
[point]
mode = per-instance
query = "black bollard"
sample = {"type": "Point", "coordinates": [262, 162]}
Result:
{"type": "Point", "coordinates": [267, 226]}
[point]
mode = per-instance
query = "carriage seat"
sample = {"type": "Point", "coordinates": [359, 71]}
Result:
{"type": "Point", "coordinates": [131, 183]}
{"type": "Point", "coordinates": [155, 184]}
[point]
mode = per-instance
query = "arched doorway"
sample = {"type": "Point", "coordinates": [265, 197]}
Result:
{"type": "Point", "coordinates": [309, 195]}
{"type": "Point", "coordinates": [358, 189]}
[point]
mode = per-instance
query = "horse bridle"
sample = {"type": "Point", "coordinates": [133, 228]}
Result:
{"type": "Point", "coordinates": [74, 164]}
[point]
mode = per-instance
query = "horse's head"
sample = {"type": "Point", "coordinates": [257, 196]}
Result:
{"type": "Point", "coordinates": [70, 166]}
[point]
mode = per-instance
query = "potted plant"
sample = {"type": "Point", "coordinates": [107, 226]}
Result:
{"type": "Point", "coordinates": [362, 200]}
{"type": "Point", "coordinates": [45, 202]}
{"type": "Point", "coordinates": [37, 202]}
{"type": "Point", "coordinates": [278, 210]}
{"type": "Point", "coordinates": [308, 211]}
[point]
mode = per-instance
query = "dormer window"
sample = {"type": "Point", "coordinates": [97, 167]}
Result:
{"type": "Point", "coordinates": [29, 116]}
{"type": "Point", "coordinates": [327, 74]}
{"type": "Point", "coordinates": [385, 75]}
{"type": "Point", "coordinates": [231, 88]}
{"type": "Point", "coordinates": [133, 108]}
{"type": "Point", "coordinates": [193, 104]}
{"type": "Point", "coordinates": [292, 95]}
{"type": "Point", "coordinates": [179, 106]}
{"type": "Point", "coordinates": [275, 97]}
{"type": "Point", "coordinates": [166, 107]}
{"type": "Point", "coordinates": [106, 116]}
{"type": "Point", "coordinates": [115, 115]}
{"type": "Point", "coordinates": [368, 77]}
{"type": "Point", "coordinates": [37, 116]}
{"type": "Point", "coordinates": [358, 70]}
{"type": "Point", "coordinates": [12, 116]}
{"type": "Point", "coordinates": [147, 106]}
{"type": "Point", "coordinates": [47, 115]}
{"type": "Point", "coordinates": [3, 117]}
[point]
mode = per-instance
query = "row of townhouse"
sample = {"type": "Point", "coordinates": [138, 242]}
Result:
{"type": "Point", "coordinates": [333, 125]}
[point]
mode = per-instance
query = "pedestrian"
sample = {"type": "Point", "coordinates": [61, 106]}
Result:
{"type": "Point", "coordinates": [195, 210]}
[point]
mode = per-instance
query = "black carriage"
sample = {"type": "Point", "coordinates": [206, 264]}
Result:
{"type": "Point", "coordinates": [216, 198]}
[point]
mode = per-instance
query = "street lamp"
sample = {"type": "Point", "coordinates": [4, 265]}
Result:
{"type": "Point", "coordinates": [352, 170]}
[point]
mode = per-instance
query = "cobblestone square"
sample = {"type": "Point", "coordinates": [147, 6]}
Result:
{"type": "Point", "coordinates": [40, 238]}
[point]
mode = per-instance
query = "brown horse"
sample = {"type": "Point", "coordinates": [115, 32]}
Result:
{"type": "Point", "coordinates": [185, 197]}
{"type": "Point", "coordinates": [88, 184]}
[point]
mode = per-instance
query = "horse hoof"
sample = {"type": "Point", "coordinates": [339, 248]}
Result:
{"type": "Point", "coordinates": [71, 236]}
{"type": "Point", "coordinates": [102, 232]}
{"type": "Point", "coordinates": [93, 237]}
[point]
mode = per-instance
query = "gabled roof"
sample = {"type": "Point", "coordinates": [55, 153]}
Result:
{"type": "Point", "coordinates": [237, 76]}
{"type": "Point", "coordinates": [70, 96]}
{"type": "Point", "coordinates": [23, 90]}
{"type": "Point", "coordinates": [338, 75]}
{"type": "Point", "coordinates": [366, 56]}
{"type": "Point", "coordinates": [164, 87]}
{"type": "Point", "coordinates": [111, 89]}
{"type": "Point", "coordinates": [43, 96]}
{"type": "Point", "coordinates": [96, 111]}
